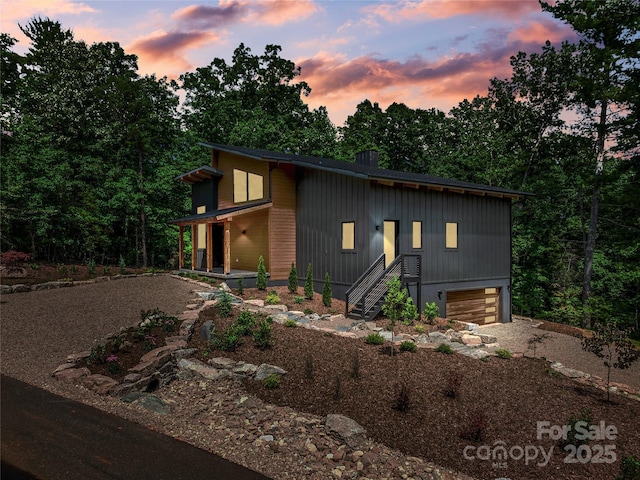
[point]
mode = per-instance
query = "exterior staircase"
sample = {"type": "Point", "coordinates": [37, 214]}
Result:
{"type": "Point", "coordinates": [366, 296]}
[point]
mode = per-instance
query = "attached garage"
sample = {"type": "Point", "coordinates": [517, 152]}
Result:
{"type": "Point", "coordinates": [480, 306]}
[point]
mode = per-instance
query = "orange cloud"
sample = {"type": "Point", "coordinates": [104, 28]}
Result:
{"type": "Point", "coordinates": [270, 12]}
{"type": "Point", "coordinates": [340, 85]}
{"type": "Point", "coordinates": [432, 9]}
{"type": "Point", "coordinates": [537, 33]}
{"type": "Point", "coordinates": [163, 52]}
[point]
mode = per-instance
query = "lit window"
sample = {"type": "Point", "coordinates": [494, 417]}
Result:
{"type": "Point", "coordinates": [417, 235]}
{"type": "Point", "coordinates": [202, 228]}
{"type": "Point", "coordinates": [348, 235]}
{"type": "Point", "coordinates": [247, 186]}
{"type": "Point", "coordinates": [452, 235]}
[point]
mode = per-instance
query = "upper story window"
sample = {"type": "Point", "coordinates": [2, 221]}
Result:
{"type": "Point", "coordinates": [452, 235]}
{"type": "Point", "coordinates": [416, 240]}
{"type": "Point", "coordinates": [247, 186]}
{"type": "Point", "coordinates": [348, 235]}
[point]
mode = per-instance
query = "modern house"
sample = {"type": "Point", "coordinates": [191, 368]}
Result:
{"type": "Point", "coordinates": [449, 241]}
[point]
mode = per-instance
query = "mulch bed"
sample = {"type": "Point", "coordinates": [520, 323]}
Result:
{"type": "Point", "coordinates": [46, 272]}
{"type": "Point", "coordinates": [501, 400]}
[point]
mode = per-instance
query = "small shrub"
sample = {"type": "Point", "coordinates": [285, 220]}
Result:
{"type": "Point", "coordinates": [293, 279]}
{"type": "Point", "coordinates": [150, 343]}
{"type": "Point", "coordinates": [73, 269]}
{"type": "Point", "coordinates": [227, 341]}
{"type": "Point", "coordinates": [453, 385]}
{"type": "Point", "coordinates": [272, 381]}
{"type": "Point", "coordinates": [224, 305]}
{"type": "Point", "coordinates": [291, 323]}
{"type": "Point", "coordinates": [308, 311]}
{"type": "Point", "coordinates": [629, 468]}
{"type": "Point", "coordinates": [113, 366]}
{"type": "Point", "coordinates": [97, 355]}
{"type": "Point", "coordinates": [584, 416]}
{"type": "Point", "coordinates": [419, 328]}
{"type": "Point", "coordinates": [444, 348]}
{"type": "Point", "coordinates": [431, 311]}
{"type": "Point", "coordinates": [398, 305]}
{"type": "Point", "coordinates": [374, 339]}
{"type": "Point", "coordinates": [122, 266]}
{"type": "Point", "coordinates": [240, 288]}
{"type": "Point", "coordinates": [355, 366]}
{"type": "Point", "coordinates": [308, 284]}
{"type": "Point", "coordinates": [106, 270]}
{"type": "Point", "coordinates": [535, 340]}
{"type": "Point", "coordinates": [408, 346]}
{"type": "Point", "coordinates": [475, 429]}
{"type": "Point", "coordinates": [92, 266]}
{"type": "Point", "coordinates": [263, 334]}
{"type": "Point", "coordinates": [261, 280]}
{"type": "Point", "coordinates": [62, 270]}
{"type": "Point", "coordinates": [34, 266]}
{"type": "Point", "coordinates": [308, 366]}
{"type": "Point", "coordinates": [272, 298]}
{"type": "Point", "coordinates": [402, 401]}
{"type": "Point", "coordinates": [245, 323]}
{"type": "Point", "coordinates": [12, 258]}
{"type": "Point", "coordinates": [298, 300]}
{"type": "Point", "coordinates": [503, 353]}
{"type": "Point", "coordinates": [326, 291]}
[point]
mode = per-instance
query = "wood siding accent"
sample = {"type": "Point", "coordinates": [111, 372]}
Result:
{"type": "Point", "coordinates": [247, 247]}
{"type": "Point", "coordinates": [227, 162]}
{"type": "Point", "coordinates": [282, 221]}
{"type": "Point", "coordinates": [477, 306]}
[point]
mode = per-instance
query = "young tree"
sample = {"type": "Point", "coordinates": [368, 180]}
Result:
{"type": "Point", "coordinates": [613, 345]}
{"type": "Point", "coordinates": [293, 278]}
{"type": "Point", "coordinates": [308, 284]}
{"type": "Point", "coordinates": [261, 280]}
{"type": "Point", "coordinates": [326, 291]}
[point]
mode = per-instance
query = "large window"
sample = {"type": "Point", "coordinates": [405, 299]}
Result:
{"type": "Point", "coordinates": [348, 235]}
{"type": "Point", "coordinates": [247, 186]}
{"type": "Point", "coordinates": [416, 241]}
{"type": "Point", "coordinates": [202, 228]}
{"type": "Point", "coordinates": [452, 235]}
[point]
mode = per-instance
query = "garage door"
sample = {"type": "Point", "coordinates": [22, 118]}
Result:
{"type": "Point", "coordinates": [476, 306]}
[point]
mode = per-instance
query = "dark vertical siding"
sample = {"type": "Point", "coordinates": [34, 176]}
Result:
{"type": "Point", "coordinates": [204, 193]}
{"type": "Point", "coordinates": [326, 199]}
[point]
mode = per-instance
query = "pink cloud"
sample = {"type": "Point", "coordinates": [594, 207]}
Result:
{"type": "Point", "coordinates": [163, 52]}
{"type": "Point", "coordinates": [432, 9]}
{"type": "Point", "coordinates": [537, 33]}
{"type": "Point", "coordinates": [270, 12]}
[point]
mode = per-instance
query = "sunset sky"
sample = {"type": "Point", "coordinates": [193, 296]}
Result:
{"type": "Point", "coordinates": [430, 53]}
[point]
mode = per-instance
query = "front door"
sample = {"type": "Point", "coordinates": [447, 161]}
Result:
{"type": "Point", "coordinates": [390, 241]}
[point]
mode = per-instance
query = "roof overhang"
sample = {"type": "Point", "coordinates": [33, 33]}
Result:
{"type": "Point", "coordinates": [200, 174]}
{"type": "Point", "coordinates": [219, 216]}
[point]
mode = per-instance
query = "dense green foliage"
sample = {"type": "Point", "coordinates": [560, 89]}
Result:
{"type": "Point", "coordinates": [90, 151]}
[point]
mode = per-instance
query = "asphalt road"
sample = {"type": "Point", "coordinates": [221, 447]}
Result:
{"type": "Point", "coordinates": [48, 437]}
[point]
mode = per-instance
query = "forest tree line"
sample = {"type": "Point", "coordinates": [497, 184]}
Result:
{"type": "Point", "coordinates": [91, 149]}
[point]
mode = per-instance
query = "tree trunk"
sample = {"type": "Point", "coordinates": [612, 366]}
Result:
{"type": "Point", "coordinates": [590, 245]}
{"type": "Point", "coordinates": [143, 215]}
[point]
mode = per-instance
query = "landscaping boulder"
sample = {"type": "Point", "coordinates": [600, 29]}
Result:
{"type": "Point", "coordinates": [207, 329]}
{"type": "Point", "coordinates": [265, 370]}
{"type": "Point", "coordinates": [345, 430]}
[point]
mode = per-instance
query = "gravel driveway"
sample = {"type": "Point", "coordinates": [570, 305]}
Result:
{"type": "Point", "coordinates": [39, 329]}
{"type": "Point", "coordinates": [560, 348]}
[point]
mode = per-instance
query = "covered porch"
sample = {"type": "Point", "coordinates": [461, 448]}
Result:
{"type": "Point", "coordinates": [212, 237]}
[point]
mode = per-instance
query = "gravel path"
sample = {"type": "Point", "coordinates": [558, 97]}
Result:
{"type": "Point", "coordinates": [39, 329]}
{"type": "Point", "coordinates": [559, 348]}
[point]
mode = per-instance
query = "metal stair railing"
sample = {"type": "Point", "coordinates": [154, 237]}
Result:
{"type": "Point", "coordinates": [366, 280]}
{"type": "Point", "coordinates": [371, 287]}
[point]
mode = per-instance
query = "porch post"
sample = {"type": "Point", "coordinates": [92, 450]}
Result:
{"type": "Point", "coordinates": [194, 246]}
{"type": "Point", "coordinates": [209, 247]}
{"type": "Point", "coordinates": [227, 246]}
{"type": "Point", "coordinates": [181, 246]}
